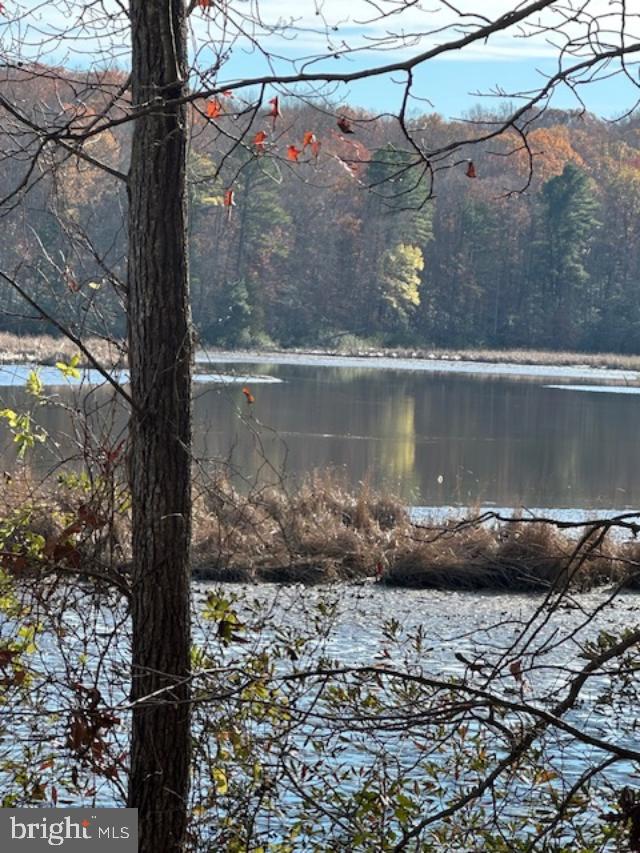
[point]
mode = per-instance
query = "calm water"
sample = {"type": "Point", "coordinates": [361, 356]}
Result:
{"type": "Point", "coordinates": [440, 434]}
{"type": "Point", "coordinates": [437, 433]}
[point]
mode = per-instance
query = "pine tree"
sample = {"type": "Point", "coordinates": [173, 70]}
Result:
{"type": "Point", "coordinates": [567, 224]}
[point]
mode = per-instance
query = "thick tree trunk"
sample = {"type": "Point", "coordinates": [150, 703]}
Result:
{"type": "Point", "coordinates": [160, 363]}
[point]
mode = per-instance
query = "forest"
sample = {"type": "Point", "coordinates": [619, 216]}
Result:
{"type": "Point", "coordinates": [313, 231]}
{"type": "Point", "coordinates": [160, 175]}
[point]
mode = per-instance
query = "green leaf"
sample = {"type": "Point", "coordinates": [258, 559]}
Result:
{"type": "Point", "coordinates": [70, 370]}
{"type": "Point", "coordinates": [220, 781]}
{"type": "Point", "coordinates": [10, 416]}
{"type": "Point", "coordinates": [34, 385]}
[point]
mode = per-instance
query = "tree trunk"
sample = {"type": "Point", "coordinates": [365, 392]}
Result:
{"type": "Point", "coordinates": [160, 463]}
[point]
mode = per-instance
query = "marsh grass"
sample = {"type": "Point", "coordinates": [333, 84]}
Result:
{"type": "Point", "coordinates": [546, 358]}
{"type": "Point", "coordinates": [46, 349]}
{"type": "Point", "coordinates": [507, 556]}
{"type": "Point", "coordinates": [325, 532]}
{"type": "Point", "coordinates": [615, 361]}
{"type": "Point", "coordinates": [321, 532]}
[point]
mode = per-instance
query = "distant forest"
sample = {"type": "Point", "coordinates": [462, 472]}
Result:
{"type": "Point", "coordinates": [304, 233]}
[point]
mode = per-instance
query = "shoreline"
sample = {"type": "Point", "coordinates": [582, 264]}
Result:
{"type": "Point", "coordinates": [614, 362]}
{"type": "Point", "coordinates": [47, 349]}
{"type": "Point", "coordinates": [320, 533]}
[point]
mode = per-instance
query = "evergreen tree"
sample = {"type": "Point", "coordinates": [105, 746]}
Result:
{"type": "Point", "coordinates": [567, 224]}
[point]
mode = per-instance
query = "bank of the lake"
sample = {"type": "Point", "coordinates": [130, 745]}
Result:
{"type": "Point", "coordinates": [320, 533]}
{"type": "Point", "coordinates": [383, 436]}
{"type": "Point", "coordinates": [47, 349]}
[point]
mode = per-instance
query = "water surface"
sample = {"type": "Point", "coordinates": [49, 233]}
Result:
{"type": "Point", "coordinates": [438, 434]}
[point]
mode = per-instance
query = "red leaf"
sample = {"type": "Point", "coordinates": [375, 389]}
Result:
{"type": "Point", "coordinates": [249, 396]}
{"type": "Point", "coordinates": [14, 562]}
{"type": "Point", "coordinates": [275, 112]}
{"type": "Point", "coordinates": [214, 108]}
{"type": "Point", "coordinates": [6, 656]}
{"type": "Point", "coordinates": [259, 139]}
{"type": "Point", "coordinates": [70, 280]}
{"type": "Point", "coordinates": [345, 125]}
{"type": "Point", "coordinates": [515, 668]}
{"type": "Point", "coordinates": [67, 553]}
{"type": "Point", "coordinates": [471, 170]}
{"type": "Point", "coordinates": [112, 455]}
{"type": "Point", "coordinates": [90, 517]}
{"type": "Point", "coordinates": [205, 4]}
{"type": "Point", "coordinates": [293, 153]}
{"type": "Point", "coordinates": [229, 200]}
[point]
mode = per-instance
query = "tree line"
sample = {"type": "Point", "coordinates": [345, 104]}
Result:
{"type": "Point", "coordinates": [305, 232]}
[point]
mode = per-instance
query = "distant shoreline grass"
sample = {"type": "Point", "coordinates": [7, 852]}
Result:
{"type": "Point", "coordinates": [543, 358]}
{"type": "Point", "coordinates": [47, 349]}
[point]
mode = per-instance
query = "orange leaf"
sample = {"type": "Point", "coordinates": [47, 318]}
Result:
{"type": "Point", "coordinates": [293, 153]}
{"type": "Point", "coordinates": [205, 4]}
{"type": "Point", "coordinates": [214, 108]}
{"type": "Point", "coordinates": [471, 170]}
{"type": "Point", "coordinates": [309, 139]}
{"type": "Point", "coordinates": [259, 139]}
{"type": "Point", "coordinates": [249, 396]}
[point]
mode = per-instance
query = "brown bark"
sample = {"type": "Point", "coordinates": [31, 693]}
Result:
{"type": "Point", "coordinates": [160, 363]}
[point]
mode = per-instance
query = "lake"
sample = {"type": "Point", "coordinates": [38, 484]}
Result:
{"type": "Point", "coordinates": [436, 433]}
{"type": "Point", "coordinates": [440, 434]}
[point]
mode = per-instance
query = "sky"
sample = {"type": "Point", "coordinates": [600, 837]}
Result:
{"type": "Point", "coordinates": [513, 61]}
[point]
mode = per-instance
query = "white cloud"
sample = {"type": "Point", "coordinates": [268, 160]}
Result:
{"type": "Point", "coordinates": [426, 24]}
{"type": "Point", "coordinates": [296, 29]}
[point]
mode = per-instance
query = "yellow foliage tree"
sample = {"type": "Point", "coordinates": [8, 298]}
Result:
{"type": "Point", "coordinates": [401, 268]}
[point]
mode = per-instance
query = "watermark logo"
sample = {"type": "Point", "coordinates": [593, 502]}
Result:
{"type": "Point", "coordinates": [72, 830]}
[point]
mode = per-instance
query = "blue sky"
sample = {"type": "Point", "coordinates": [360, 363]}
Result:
{"type": "Point", "coordinates": [452, 86]}
{"type": "Point", "coordinates": [515, 60]}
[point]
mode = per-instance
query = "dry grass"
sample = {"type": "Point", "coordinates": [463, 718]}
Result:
{"type": "Point", "coordinates": [514, 556]}
{"type": "Point", "coordinates": [321, 532]}
{"type": "Point", "coordinates": [46, 349]}
{"type": "Point", "coordinates": [614, 361]}
{"type": "Point", "coordinates": [324, 532]}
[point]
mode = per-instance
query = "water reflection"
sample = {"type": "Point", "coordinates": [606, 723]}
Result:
{"type": "Point", "coordinates": [435, 438]}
